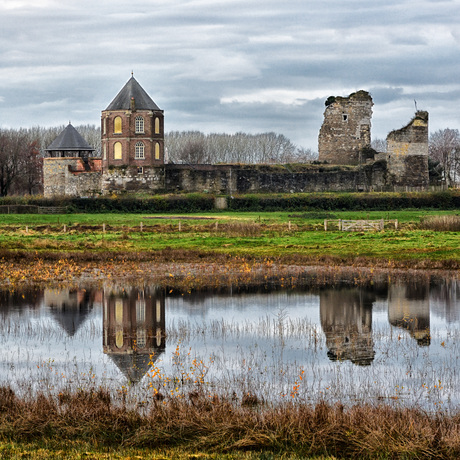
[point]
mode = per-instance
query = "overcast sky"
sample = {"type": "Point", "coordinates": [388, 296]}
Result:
{"type": "Point", "coordinates": [230, 65]}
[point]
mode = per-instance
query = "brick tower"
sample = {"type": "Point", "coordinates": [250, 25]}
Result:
{"type": "Point", "coordinates": [132, 128]}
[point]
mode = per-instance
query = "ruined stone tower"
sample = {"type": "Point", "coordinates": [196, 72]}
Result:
{"type": "Point", "coordinates": [132, 130]}
{"type": "Point", "coordinates": [407, 151]}
{"type": "Point", "coordinates": [346, 129]}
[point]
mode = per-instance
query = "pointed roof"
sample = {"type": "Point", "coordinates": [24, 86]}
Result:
{"type": "Point", "coordinates": [132, 89]}
{"type": "Point", "coordinates": [69, 139]}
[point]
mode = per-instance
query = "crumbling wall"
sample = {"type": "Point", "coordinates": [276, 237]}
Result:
{"type": "Point", "coordinates": [71, 176]}
{"type": "Point", "coordinates": [346, 129]}
{"type": "Point", "coordinates": [407, 150]}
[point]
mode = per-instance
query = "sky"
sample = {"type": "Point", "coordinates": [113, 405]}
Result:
{"type": "Point", "coordinates": [230, 66]}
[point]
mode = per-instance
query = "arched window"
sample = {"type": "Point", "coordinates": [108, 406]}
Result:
{"type": "Point", "coordinates": [119, 323]}
{"type": "Point", "coordinates": [105, 151]}
{"type": "Point", "coordinates": [157, 125]}
{"type": "Point", "coordinates": [157, 151]}
{"type": "Point", "coordinates": [139, 153]}
{"type": "Point", "coordinates": [117, 125]}
{"type": "Point", "coordinates": [139, 125]}
{"type": "Point", "coordinates": [117, 151]}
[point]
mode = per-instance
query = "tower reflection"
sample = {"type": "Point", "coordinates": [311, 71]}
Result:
{"type": "Point", "coordinates": [409, 308]}
{"type": "Point", "coordinates": [134, 329]}
{"type": "Point", "coordinates": [346, 319]}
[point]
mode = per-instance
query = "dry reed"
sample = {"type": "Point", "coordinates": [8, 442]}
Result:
{"type": "Point", "coordinates": [441, 223]}
{"type": "Point", "coordinates": [224, 425]}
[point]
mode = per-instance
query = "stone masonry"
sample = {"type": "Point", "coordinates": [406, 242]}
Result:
{"type": "Point", "coordinates": [407, 152]}
{"type": "Point", "coordinates": [346, 129]}
{"type": "Point", "coordinates": [71, 176]}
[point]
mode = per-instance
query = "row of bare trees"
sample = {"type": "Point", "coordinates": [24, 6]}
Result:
{"type": "Point", "coordinates": [22, 151]}
{"type": "Point", "coordinates": [195, 147]}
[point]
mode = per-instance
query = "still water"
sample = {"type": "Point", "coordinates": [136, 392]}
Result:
{"type": "Point", "coordinates": [393, 341]}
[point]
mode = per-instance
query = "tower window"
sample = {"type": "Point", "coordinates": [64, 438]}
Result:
{"type": "Point", "coordinates": [157, 151]}
{"type": "Point", "coordinates": [117, 125]}
{"type": "Point", "coordinates": [117, 151]}
{"type": "Point", "coordinates": [139, 125]}
{"type": "Point", "coordinates": [157, 125]}
{"type": "Point", "coordinates": [139, 153]}
{"type": "Point", "coordinates": [344, 117]}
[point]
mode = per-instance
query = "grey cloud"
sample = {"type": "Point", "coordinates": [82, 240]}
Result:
{"type": "Point", "coordinates": [70, 61]}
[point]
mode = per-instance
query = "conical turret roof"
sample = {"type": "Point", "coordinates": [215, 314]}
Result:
{"type": "Point", "coordinates": [69, 140]}
{"type": "Point", "coordinates": [131, 90]}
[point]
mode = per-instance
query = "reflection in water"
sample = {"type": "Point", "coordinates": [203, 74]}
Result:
{"type": "Point", "coordinates": [134, 329]}
{"type": "Point", "coordinates": [71, 307]}
{"type": "Point", "coordinates": [60, 337]}
{"type": "Point", "coordinates": [409, 308]}
{"type": "Point", "coordinates": [346, 319]}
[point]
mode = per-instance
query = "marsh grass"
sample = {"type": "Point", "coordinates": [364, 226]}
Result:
{"type": "Point", "coordinates": [198, 423]}
{"type": "Point", "coordinates": [444, 223]}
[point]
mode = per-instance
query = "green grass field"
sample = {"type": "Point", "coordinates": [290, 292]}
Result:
{"type": "Point", "coordinates": [292, 236]}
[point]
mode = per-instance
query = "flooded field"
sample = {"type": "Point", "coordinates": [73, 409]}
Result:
{"type": "Point", "coordinates": [391, 341]}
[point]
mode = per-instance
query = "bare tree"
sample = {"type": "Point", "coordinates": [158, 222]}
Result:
{"type": "Point", "coordinates": [196, 147]}
{"type": "Point", "coordinates": [379, 145]}
{"type": "Point", "coordinates": [444, 147]}
{"type": "Point", "coordinates": [14, 150]}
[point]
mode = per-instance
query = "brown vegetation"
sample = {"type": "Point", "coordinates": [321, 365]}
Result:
{"type": "Point", "coordinates": [230, 425]}
{"type": "Point", "coordinates": [441, 223]}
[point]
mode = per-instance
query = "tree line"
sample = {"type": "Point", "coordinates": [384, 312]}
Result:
{"type": "Point", "coordinates": [22, 152]}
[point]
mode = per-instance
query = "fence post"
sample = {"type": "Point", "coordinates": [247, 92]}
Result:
{"type": "Point", "coordinates": [325, 225]}
{"type": "Point", "coordinates": [340, 225]}
{"type": "Point", "coordinates": [217, 224]}
{"type": "Point", "coordinates": [27, 229]}
{"type": "Point", "coordinates": [141, 227]}
{"type": "Point", "coordinates": [179, 226]}
{"type": "Point", "coordinates": [103, 228]}
{"type": "Point", "coordinates": [382, 224]}
{"type": "Point", "coordinates": [396, 224]}
{"type": "Point", "coordinates": [289, 225]}
{"type": "Point", "coordinates": [65, 228]}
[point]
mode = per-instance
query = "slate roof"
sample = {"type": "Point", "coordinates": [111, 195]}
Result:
{"type": "Point", "coordinates": [132, 89]}
{"type": "Point", "coordinates": [69, 140]}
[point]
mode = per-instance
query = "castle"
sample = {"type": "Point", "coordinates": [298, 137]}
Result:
{"type": "Point", "coordinates": [133, 156]}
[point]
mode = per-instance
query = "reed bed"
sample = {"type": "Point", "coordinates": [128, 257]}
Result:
{"type": "Point", "coordinates": [446, 223]}
{"type": "Point", "coordinates": [221, 425]}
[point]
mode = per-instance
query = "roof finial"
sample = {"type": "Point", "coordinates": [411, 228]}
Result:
{"type": "Point", "coordinates": [132, 73]}
{"type": "Point", "coordinates": [70, 122]}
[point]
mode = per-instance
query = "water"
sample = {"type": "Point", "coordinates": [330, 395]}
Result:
{"type": "Point", "coordinates": [393, 341]}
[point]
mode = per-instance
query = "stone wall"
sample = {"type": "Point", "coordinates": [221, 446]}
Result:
{"type": "Point", "coordinates": [131, 178]}
{"type": "Point", "coordinates": [346, 129]}
{"type": "Point", "coordinates": [232, 179]}
{"type": "Point", "coordinates": [407, 151]}
{"type": "Point", "coordinates": [71, 176]}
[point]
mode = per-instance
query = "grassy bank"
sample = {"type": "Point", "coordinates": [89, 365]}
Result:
{"type": "Point", "coordinates": [90, 423]}
{"type": "Point", "coordinates": [282, 238]}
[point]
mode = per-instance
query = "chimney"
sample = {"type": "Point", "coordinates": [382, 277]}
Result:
{"type": "Point", "coordinates": [133, 105]}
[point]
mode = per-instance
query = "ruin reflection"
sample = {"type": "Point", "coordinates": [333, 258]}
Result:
{"type": "Point", "coordinates": [409, 308]}
{"type": "Point", "coordinates": [346, 319]}
{"type": "Point", "coordinates": [134, 329]}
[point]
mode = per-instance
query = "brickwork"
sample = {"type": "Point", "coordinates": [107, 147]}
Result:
{"type": "Point", "coordinates": [346, 129]}
{"type": "Point", "coordinates": [407, 151]}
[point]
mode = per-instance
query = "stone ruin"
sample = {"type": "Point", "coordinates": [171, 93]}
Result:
{"type": "Point", "coordinates": [345, 139]}
{"type": "Point", "coordinates": [407, 153]}
{"type": "Point", "coordinates": [346, 130]}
